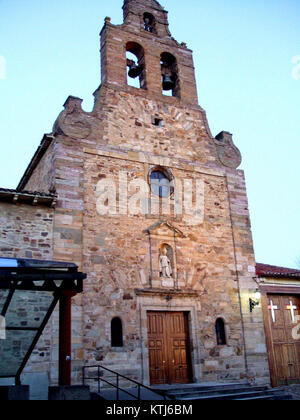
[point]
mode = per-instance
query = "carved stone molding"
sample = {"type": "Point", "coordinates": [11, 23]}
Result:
{"type": "Point", "coordinates": [166, 292]}
{"type": "Point", "coordinates": [228, 153]}
{"type": "Point", "coordinates": [72, 122]}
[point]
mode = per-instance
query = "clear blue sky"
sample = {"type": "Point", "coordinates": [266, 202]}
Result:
{"type": "Point", "coordinates": [243, 53]}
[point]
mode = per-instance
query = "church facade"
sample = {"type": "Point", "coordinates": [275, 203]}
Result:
{"type": "Point", "coordinates": [154, 209]}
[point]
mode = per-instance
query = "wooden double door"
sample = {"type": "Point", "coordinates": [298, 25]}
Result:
{"type": "Point", "coordinates": [169, 348]}
{"type": "Point", "coordinates": [283, 335]}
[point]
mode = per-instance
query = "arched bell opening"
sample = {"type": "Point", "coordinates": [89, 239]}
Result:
{"type": "Point", "coordinates": [149, 22]}
{"type": "Point", "coordinates": [169, 73]}
{"type": "Point", "coordinates": [136, 70]}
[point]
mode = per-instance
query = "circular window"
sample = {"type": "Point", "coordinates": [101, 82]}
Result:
{"type": "Point", "coordinates": [160, 184]}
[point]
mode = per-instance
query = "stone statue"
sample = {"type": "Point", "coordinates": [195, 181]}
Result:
{"type": "Point", "coordinates": [165, 264]}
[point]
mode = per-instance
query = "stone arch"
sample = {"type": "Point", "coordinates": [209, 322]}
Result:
{"type": "Point", "coordinates": [149, 22]}
{"type": "Point", "coordinates": [136, 68]}
{"type": "Point", "coordinates": [169, 74]}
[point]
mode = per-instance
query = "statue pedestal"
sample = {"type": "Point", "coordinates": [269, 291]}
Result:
{"type": "Point", "coordinates": [168, 282]}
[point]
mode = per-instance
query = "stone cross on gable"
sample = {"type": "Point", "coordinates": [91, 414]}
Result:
{"type": "Point", "coordinates": [273, 308]}
{"type": "Point", "coordinates": [291, 307]}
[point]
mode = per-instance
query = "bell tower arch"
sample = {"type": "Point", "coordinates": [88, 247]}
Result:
{"type": "Point", "coordinates": [165, 68]}
{"type": "Point", "coordinates": [149, 15]}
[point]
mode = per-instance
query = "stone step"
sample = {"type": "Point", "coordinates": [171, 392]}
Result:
{"type": "Point", "coordinates": [196, 392]}
{"type": "Point", "coordinates": [277, 397]}
{"type": "Point", "coordinates": [214, 391]}
{"type": "Point", "coordinates": [242, 396]}
{"type": "Point", "coordinates": [195, 387]}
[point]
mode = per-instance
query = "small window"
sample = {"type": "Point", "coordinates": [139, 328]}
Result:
{"type": "Point", "coordinates": [158, 122]}
{"type": "Point", "coordinates": [160, 184]}
{"type": "Point", "coordinates": [220, 332]}
{"type": "Point", "coordinates": [116, 333]}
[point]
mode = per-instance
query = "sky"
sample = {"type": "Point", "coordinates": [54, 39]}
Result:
{"type": "Point", "coordinates": [247, 60]}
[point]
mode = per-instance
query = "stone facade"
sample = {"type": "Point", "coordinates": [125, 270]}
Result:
{"type": "Point", "coordinates": [130, 133]}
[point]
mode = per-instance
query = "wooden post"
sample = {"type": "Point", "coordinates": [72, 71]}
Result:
{"type": "Point", "coordinates": [65, 337]}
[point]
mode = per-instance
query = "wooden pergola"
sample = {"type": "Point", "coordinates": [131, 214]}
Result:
{"type": "Point", "coordinates": [35, 281]}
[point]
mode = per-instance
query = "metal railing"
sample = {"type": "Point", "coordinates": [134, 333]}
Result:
{"type": "Point", "coordinates": [99, 378]}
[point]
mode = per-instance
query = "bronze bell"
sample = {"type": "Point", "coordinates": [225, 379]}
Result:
{"type": "Point", "coordinates": [135, 71]}
{"type": "Point", "coordinates": [168, 83]}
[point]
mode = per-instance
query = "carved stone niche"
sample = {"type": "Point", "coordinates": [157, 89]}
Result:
{"type": "Point", "coordinates": [163, 240]}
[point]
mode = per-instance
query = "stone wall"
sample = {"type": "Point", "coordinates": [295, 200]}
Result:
{"type": "Point", "coordinates": [256, 357]}
{"type": "Point", "coordinates": [27, 232]}
{"type": "Point", "coordinates": [43, 177]}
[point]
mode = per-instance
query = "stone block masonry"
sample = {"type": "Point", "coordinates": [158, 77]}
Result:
{"type": "Point", "coordinates": [27, 232]}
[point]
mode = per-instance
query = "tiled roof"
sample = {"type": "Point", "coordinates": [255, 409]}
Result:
{"type": "Point", "coordinates": [265, 270]}
{"type": "Point", "coordinates": [34, 198]}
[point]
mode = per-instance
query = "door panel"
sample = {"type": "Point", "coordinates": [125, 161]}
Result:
{"type": "Point", "coordinates": [279, 362]}
{"type": "Point", "coordinates": [289, 361]}
{"type": "Point", "coordinates": [156, 347]}
{"type": "Point", "coordinates": [168, 340]}
{"type": "Point", "coordinates": [179, 346]}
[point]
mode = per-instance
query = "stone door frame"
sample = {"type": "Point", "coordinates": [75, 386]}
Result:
{"type": "Point", "coordinates": [145, 305]}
